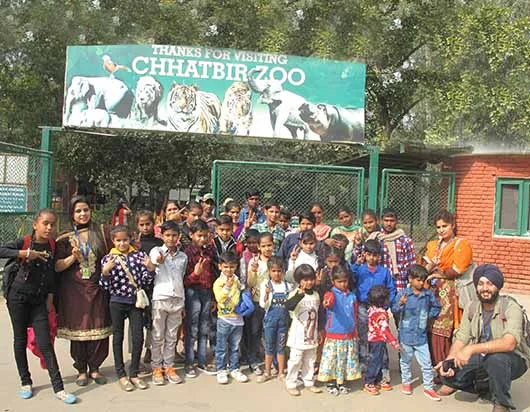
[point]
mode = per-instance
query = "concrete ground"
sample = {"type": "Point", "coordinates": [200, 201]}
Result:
{"type": "Point", "coordinates": [203, 394]}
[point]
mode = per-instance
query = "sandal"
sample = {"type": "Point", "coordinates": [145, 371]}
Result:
{"type": "Point", "coordinates": [139, 383]}
{"type": "Point", "coordinates": [263, 378]}
{"type": "Point", "coordinates": [126, 384]}
{"type": "Point", "coordinates": [82, 379]}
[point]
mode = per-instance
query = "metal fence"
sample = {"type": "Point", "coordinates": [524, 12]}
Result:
{"type": "Point", "coordinates": [24, 187]}
{"type": "Point", "coordinates": [294, 186]}
{"type": "Point", "coordinates": [416, 197]}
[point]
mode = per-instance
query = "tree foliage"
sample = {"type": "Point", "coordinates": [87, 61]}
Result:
{"type": "Point", "coordinates": [438, 71]}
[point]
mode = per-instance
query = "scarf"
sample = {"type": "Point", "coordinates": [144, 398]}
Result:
{"type": "Point", "coordinates": [115, 251]}
{"type": "Point", "coordinates": [348, 228]}
{"type": "Point", "coordinates": [388, 239]}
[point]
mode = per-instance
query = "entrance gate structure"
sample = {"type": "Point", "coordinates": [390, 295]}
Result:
{"type": "Point", "coordinates": [417, 196]}
{"type": "Point", "coordinates": [292, 185]}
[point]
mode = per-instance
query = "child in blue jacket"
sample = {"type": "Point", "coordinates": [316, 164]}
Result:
{"type": "Point", "coordinates": [340, 361]}
{"type": "Point", "coordinates": [416, 306]}
{"type": "Point", "coordinates": [366, 275]}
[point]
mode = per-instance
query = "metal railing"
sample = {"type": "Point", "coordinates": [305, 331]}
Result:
{"type": "Point", "coordinates": [294, 186]}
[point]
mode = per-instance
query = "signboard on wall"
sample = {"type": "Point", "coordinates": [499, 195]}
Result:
{"type": "Point", "coordinates": [13, 199]}
{"type": "Point", "coordinates": [214, 91]}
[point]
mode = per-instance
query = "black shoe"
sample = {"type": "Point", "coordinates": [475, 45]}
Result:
{"type": "Point", "coordinates": [98, 378]}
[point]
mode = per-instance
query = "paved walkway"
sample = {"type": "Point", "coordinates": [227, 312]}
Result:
{"type": "Point", "coordinates": [203, 394]}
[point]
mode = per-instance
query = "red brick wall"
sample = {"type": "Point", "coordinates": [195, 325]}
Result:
{"type": "Point", "coordinates": [475, 207]}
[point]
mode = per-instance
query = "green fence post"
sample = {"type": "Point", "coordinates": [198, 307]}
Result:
{"type": "Point", "coordinates": [215, 188]}
{"type": "Point", "coordinates": [45, 169]}
{"type": "Point", "coordinates": [373, 176]}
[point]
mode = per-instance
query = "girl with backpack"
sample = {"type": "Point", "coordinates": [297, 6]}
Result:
{"type": "Point", "coordinates": [29, 290]}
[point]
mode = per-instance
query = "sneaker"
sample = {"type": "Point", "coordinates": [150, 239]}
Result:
{"type": "Point", "coordinates": [344, 390]}
{"type": "Point", "coordinates": [68, 398]}
{"type": "Point", "coordinates": [222, 377]}
{"type": "Point", "coordinates": [333, 390]}
{"type": "Point", "coordinates": [432, 395]}
{"type": "Point", "coordinates": [293, 391]}
{"type": "Point", "coordinates": [158, 377]}
{"type": "Point", "coordinates": [384, 386]}
{"type": "Point", "coordinates": [314, 389]}
{"type": "Point", "coordinates": [257, 370]}
{"type": "Point", "coordinates": [173, 376]}
{"type": "Point", "coordinates": [406, 388]}
{"type": "Point", "coordinates": [207, 369]}
{"type": "Point", "coordinates": [190, 371]}
{"type": "Point", "coordinates": [371, 389]}
{"type": "Point", "coordinates": [239, 376]}
{"type": "Point", "coordinates": [26, 392]}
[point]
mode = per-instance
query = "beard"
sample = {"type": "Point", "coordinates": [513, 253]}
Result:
{"type": "Point", "coordinates": [491, 300]}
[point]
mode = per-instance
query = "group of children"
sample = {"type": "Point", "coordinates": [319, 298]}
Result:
{"type": "Point", "coordinates": [316, 313]}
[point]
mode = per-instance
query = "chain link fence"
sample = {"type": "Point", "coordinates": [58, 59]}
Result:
{"type": "Point", "coordinates": [417, 197]}
{"type": "Point", "coordinates": [23, 188]}
{"type": "Point", "coordinates": [294, 186]}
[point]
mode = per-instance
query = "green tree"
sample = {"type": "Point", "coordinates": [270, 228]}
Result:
{"type": "Point", "coordinates": [485, 61]}
{"type": "Point", "coordinates": [438, 71]}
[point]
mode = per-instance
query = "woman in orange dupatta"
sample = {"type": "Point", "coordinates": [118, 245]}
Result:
{"type": "Point", "coordinates": [445, 259]}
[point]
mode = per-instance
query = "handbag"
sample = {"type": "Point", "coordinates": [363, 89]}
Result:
{"type": "Point", "coordinates": [142, 301]}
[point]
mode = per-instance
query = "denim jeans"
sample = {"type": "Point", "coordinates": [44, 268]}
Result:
{"type": "Point", "coordinates": [118, 313]}
{"type": "Point", "coordinates": [253, 331]}
{"type": "Point", "coordinates": [198, 308]}
{"type": "Point", "coordinates": [502, 368]}
{"type": "Point", "coordinates": [24, 313]}
{"type": "Point", "coordinates": [374, 370]}
{"type": "Point", "coordinates": [227, 345]}
{"type": "Point", "coordinates": [423, 356]}
{"type": "Point", "coordinates": [275, 330]}
{"type": "Point", "coordinates": [364, 349]}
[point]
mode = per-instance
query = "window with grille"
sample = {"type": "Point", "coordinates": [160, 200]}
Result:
{"type": "Point", "coordinates": [512, 207]}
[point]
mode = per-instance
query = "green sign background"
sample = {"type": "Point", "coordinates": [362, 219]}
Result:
{"type": "Point", "coordinates": [132, 87]}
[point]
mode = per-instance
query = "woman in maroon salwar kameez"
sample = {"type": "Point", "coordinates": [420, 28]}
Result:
{"type": "Point", "coordinates": [83, 314]}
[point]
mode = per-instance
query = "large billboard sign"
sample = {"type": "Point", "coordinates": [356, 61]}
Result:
{"type": "Point", "coordinates": [214, 91]}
